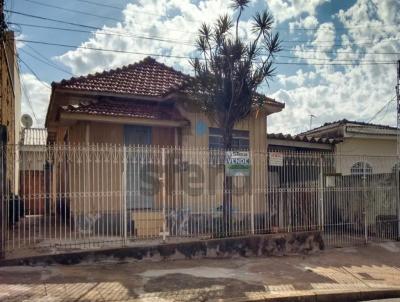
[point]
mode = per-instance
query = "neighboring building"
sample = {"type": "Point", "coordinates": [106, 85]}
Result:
{"type": "Point", "coordinates": [361, 147]}
{"type": "Point", "coordinates": [141, 104]}
{"type": "Point", "coordinates": [300, 143]}
{"type": "Point", "coordinates": [10, 106]}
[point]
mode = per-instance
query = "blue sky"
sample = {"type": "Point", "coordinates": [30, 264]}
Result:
{"type": "Point", "coordinates": [316, 34]}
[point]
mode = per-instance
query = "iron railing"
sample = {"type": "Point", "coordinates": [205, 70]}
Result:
{"type": "Point", "coordinates": [77, 196]}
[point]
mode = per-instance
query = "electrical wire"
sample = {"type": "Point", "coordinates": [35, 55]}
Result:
{"type": "Point", "coordinates": [180, 56]}
{"type": "Point", "coordinates": [381, 109]}
{"type": "Point", "coordinates": [45, 62]}
{"type": "Point", "coordinates": [103, 32]}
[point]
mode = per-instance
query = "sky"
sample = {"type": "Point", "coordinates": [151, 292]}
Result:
{"type": "Point", "coordinates": [338, 57]}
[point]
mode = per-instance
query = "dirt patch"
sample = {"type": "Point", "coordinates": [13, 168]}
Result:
{"type": "Point", "coordinates": [204, 287]}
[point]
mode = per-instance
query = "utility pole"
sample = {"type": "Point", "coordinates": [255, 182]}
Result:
{"type": "Point", "coordinates": [398, 108]}
{"type": "Point", "coordinates": [2, 130]}
{"type": "Point", "coordinates": [398, 150]}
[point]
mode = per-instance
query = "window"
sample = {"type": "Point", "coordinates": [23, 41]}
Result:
{"type": "Point", "coordinates": [361, 168]}
{"type": "Point", "coordinates": [240, 139]}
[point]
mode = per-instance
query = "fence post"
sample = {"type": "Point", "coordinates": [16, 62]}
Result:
{"type": "Point", "coordinates": [321, 193]}
{"type": "Point", "coordinates": [125, 205]}
{"type": "Point", "coordinates": [365, 202]}
{"type": "Point", "coordinates": [252, 189]}
{"type": "Point", "coordinates": [164, 195]}
{"type": "Point", "coordinates": [397, 188]}
{"type": "Point", "coordinates": [3, 199]}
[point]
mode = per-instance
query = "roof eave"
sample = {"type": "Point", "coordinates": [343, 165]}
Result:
{"type": "Point", "coordinates": [67, 116]}
{"type": "Point", "coordinates": [85, 92]}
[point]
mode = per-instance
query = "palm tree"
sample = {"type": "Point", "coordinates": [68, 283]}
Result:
{"type": "Point", "coordinates": [230, 70]}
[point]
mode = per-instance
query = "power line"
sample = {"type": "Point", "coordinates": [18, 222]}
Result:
{"type": "Point", "coordinates": [119, 8]}
{"type": "Point", "coordinates": [71, 10]}
{"type": "Point", "coordinates": [166, 40]}
{"type": "Point", "coordinates": [174, 56]}
{"type": "Point", "coordinates": [22, 83]}
{"type": "Point", "coordinates": [103, 32]}
{"type": "Point", "coordinates": [349, 52]}
{"type": "Point", "coordinates": [381, 109]}
{"type": "Point", "coordinates": [45, 62]}
{"type": "Point", "coordinates": [331, 60]}
{"type": "Point", "coordinates": [81, 25]}
{"type": "Point", "coordinates": [170, 41]}
{"type": "Point", "coordinates": [29, 101]}
{"type": "Point", "coordinates": [280, 56]}
{"type": "Point", "coordinates": [33, 72]}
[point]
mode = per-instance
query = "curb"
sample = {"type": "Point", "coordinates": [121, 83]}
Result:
{"type": "Point", "coordinates": [254, 245]}
{"type": "Point", "coordinates": [322, 296]}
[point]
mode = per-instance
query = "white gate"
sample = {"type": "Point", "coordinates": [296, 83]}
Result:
{"type": "Point", "coordinates": [90, 196]}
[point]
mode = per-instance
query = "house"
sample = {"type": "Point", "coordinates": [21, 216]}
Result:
{"type": "Point", "coordinates": [142, 105]}
{"type": "Point", "coordinates": [10, 110]}
{"type": "Point", "coordinates": [362, 147]}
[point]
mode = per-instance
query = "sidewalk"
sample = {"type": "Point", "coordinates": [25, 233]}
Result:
{"type": "Point", "coordinates": [342, 274]}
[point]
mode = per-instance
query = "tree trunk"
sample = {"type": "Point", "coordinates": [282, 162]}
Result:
{"type": "Point", "coordinates": [227, 189]}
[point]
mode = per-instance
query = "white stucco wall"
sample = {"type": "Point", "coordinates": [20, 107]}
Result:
{"type": "Point", "coordinates": [380, 153]}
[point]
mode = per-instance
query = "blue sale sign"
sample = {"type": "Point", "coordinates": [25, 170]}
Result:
{"type": "Point", "coordinates": [237, 163]}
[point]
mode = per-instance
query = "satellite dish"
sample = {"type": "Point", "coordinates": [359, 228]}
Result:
{"type": "Point", "coordinates": [26, 120]}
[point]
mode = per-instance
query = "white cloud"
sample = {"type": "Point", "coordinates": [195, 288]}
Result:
{"type": "Point", "coordinates": [329, 92]}
{"type": "Point", "coordinates": [36, 99]}
{"type": "Point", "coordinates": [353, 91]}
{"type": "Point", "coordinates": [288, 9]}
{"type": "Point", "coordinates": [18, 37]}
{"type": "Point", "coordinates": [308, 22]}
{"type": "Point", "coordinates": [184, 18]}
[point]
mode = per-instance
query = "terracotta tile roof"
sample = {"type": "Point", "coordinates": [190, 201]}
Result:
{"type": "Point", "coordinates": [145, 78]}
{"type": "Point", "coordinates": [146, 110]}
{"type": "Point", "coordinates": [303, 138]}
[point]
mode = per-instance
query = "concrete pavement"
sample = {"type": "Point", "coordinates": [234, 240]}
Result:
{"type": "Point", "coordinates": [345, 274]}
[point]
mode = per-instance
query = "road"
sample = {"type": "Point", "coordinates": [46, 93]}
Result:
{"type": "Point", "coordinates": [333, 272]}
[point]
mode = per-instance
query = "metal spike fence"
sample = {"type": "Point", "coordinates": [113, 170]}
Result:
{"type": "Point", "coordinates": [92, 196]}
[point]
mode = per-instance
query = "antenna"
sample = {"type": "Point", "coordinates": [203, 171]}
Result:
{"type": "Point", "coordinates": [26, 120]}
{"type": "Point", "coordinates": [311, 118]}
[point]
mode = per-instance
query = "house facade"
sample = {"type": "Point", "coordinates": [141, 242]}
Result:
{"type": "Point", "coordinates": [361, 147]}
{"type": "Point", "coordinates": [140, 107]}
{"type": "Point", "coordinates": [140, 98]}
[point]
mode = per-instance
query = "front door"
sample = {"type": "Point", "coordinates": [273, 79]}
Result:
{"type": "Point", "coordinates": [135, 137]}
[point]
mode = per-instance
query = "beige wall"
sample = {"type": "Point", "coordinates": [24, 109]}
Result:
{"type": "Point", "coordinates": [256, 125]}
{"type": "Point", "coordinates": [108, 133]}
{"type": "Point", "coordinates": [379, 153]}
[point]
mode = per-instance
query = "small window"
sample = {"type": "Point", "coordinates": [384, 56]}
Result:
{"type": "Point", "coordinates": [240, 139]}
{"type": "Point", "coordinates": [361, 168]}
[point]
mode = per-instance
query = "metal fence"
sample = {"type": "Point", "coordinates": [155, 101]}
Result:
{"type": "Point", "coordinates": [89, 196]}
